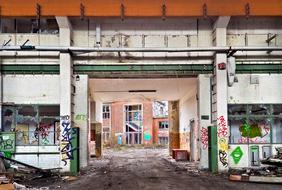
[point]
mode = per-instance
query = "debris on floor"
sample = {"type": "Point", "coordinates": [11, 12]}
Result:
{"type": "Point", "coordinates": [270, 173]}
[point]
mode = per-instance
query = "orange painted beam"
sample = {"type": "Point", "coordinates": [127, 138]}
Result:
{"type": "Point", "coordinates": [141, 8]}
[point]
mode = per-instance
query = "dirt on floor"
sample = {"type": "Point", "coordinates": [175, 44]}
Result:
{"type": "Point", "coordinates": [146, 169]}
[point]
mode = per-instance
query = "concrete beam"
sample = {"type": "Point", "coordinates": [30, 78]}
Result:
{"type": "Point", "coordinates": [221, 22]}
{"type": "Point", "coordinates": [65, 30]}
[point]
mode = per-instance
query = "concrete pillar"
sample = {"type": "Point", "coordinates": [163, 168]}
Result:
{"type": "Point", "coordinates": [173, 113]}
{"type": "Point", "coordinates": [204, 102]}
{"type": "Point", "coordinates": [219, 94]}
{"type": "Point", "coordinates": [65, 95]}
{"type": "Point", "coordinates": [1, 94]}
{"type": "Point", "coordinates": [81, 119]}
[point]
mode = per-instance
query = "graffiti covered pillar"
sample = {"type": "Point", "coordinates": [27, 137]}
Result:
{"type": "Point", "coordinates": [204, 116]}
{"type": "Point", "coordinates": [65, 95]}
{"type": "Point", "coordinates": [219, 93]}
{"type": "Point", "coordinates": [173, 114]}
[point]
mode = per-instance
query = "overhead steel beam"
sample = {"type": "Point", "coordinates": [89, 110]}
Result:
{"type": "Point", "coordinates": [142, 8]}
{"type": "Point", "coordinates": [138, 71]}
{"type": "Point", "coordinates": [172, 50]}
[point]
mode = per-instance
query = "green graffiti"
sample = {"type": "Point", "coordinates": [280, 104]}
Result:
{"type": "Point", "coordinates": [81, 117]}
{"type": "Point", "coordinates": [237, 154]}
{"type": "Point", "coordinates": [250, 131]}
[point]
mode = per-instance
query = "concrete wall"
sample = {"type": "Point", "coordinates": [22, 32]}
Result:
{"type": "Point", "coordinates": [204, 106]}
{"type": "Point", "coordinates": [268, 89]}
{"type": "Point", "coordinates": [31, 89]}
{"type": "Point", "coordinates": [189, 122]}
{"type": "Point", "coordinates": [81, 117]}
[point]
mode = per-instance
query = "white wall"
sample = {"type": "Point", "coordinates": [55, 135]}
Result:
{"type": "Point", "coordinates": [267, 91]}
{"type": "Point", "coordinates": [188, 112]}
{"type": "Point", "coordinates": [81, 117]}
{"type": "Point", "coordinates": [204, 106]}
{"type": "Point", "coordinates": [31, 89]}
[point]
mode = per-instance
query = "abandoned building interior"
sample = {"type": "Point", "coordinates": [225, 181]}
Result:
{"type": "Point", "coordinates": [73, 85]}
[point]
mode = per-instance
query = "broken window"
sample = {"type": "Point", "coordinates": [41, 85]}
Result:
{"type": "Point", "coordinates": [163, 140]}
{"type": "Point", "coordinates": [8, 121]}
{"type": "Point", "coordinates": [256, 123]}
{"type": "Point", "coordinates": [33, 124]}
{"type": "Point", "coordinates": [163, 125]}
{"type": "Point", "coordinates": [106, 112]}
{"type": "Point", "coordinates": [30, 25]}
{"type": "Point", "coordinates": [133, 124]}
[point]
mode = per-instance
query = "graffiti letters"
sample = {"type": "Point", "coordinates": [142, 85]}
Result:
{"type": "Point", "coordinates": [204, 137]}
{"type": "Point", "coordinates": [7, 142]}
{"type": "Point", "coordinates": [223, 158]}
{"type": "Point", "coordinates": [66, 135]}
{"type": "Point", "coordinates": [81, 117]}
{"type": "Point", "coordinates": [222, 127]}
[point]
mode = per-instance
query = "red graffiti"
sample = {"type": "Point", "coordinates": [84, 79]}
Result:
{"type": "Point", "coordinates": [204, 137]}
{"type": "Point", "coordinates": [222, 127]}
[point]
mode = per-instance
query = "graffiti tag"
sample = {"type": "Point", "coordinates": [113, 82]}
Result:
{"type": "Point", "coordinates": [204, 137]}
{"type": "Point", "coordinates": [66, 144]}
{"type": "Point", "coordinates": [223, 158]}
{"type": "Point", "coordinates": [222, 127]}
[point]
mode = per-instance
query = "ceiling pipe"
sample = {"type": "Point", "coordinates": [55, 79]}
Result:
{"type": "Point", "coordinates": [225, 49]}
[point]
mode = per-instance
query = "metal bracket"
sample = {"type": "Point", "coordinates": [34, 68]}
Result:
{"type": "Point", "coordinates": [122, 12]}
{"type": "Point", "coordinates": [205, 10]}
{"type": "Point", "coordinates": [163, 11]}
{"type": "Point", "coordinates": [269, 39]}
{"type": "Point", "coordinates": [247, 10]}
{"type": "Point", "coordinates": [82, 11]}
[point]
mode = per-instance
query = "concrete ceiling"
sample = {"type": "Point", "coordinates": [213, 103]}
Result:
{"type": "Point", "coordinates": [110, 90]}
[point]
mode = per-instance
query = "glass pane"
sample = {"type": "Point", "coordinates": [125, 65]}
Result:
{"type": "Point", "coordinates": [277, 109]}
{"type": "Point", "coordinates": [277, 131]}
{"type": "Point", "coordinates": [259, 130]}
{"type": "Point", "coordinates": [49, 111]}
{"type": "Point", "coordinates": [236, 133]}
{"type": "Point", "coordinates": [26, 122]}
{"type": "Point", "coordinates": [259, 109]}
{"type": "Point", "coordinates": [237, 109]}
{"type": "Point", "coordinates": [8, 122]}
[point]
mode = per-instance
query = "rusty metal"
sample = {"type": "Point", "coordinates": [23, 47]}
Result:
{"type": "Point", "coordinates": [142, 8]}
{"type": "Point", "coordinates": [164, 12]}
{"type": "Point", "coordinates": [205, 10]}
{"type": "Point", "coordinates": [38, 15]}
{"type": "Point", "coordinates": [82, 10]}
{"type": "Point", "coordinates": [247, 10]}
{"type": "Point", "coordinates": [122, 11]}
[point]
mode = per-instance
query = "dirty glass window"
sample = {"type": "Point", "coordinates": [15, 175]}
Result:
{"type": "Point", "coordinates": [260, 124]}
{"type": "Point", "coordinates": [237, 109]}
{"type": "Point", "coordinates": [259, 109]}
{"type": "Point", "coordinates": [258, 130]}
{"type": "Point", "coordinates": [8, 118]}
{"type": "Point", "coordinates": [33, 124]}
{"type": "Point", "coordinates": [277, 130]}
{"type": "Point", "coordinates": [236, 130]}
{"type": "Point", "coordinates": [163, 125]}
{"type": "Point", "coordinates": [106, 112]}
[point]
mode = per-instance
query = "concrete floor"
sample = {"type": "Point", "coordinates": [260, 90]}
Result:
{"type": "Point", "coordinates": [149, 169]}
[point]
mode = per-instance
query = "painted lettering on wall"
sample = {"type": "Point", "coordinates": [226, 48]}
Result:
{"type": "Point", "coordinates": [81, 117]}
{"type": "Point", "coordinates": [66, 145]}
{"type": "Point", "coordinates": [42, 132]}
{"type": "Point", "coordinates": [222, 133]}
{"type": "Point", "coordinates": [237, 154]}
{"type": "Point", "coordinates": [222, 127]}
{"type": "Point", "coordinates": [223, 158]}
{"type": "Point", "coordinates": [254, 133]}
{"type": "Point", "coordinates": [204, 137]}
{"type": "Point", "coordinates": [7, 143]}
